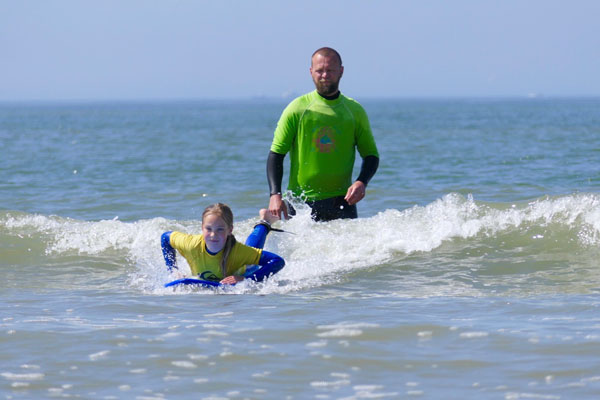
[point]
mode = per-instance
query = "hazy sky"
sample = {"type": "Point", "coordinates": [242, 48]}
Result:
{"type": "Point", "coordinates": [150, 49]}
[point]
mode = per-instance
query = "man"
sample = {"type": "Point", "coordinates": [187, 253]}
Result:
{"type": "Point", "coordinates": [322, 131]}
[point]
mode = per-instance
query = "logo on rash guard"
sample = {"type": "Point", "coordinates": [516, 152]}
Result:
{"type": "Point", "coordinates": [209, 276]}
{"type": "Point", "coordinates": [325, 140]}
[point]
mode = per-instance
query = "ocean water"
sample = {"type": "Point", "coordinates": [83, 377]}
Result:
{"type": "Point", "coordinates": [472, 272]}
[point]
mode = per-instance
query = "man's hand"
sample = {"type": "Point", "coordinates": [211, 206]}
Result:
{"type": "Point", "coordinates": [277, 206]}
{"type": "Point", "coordinates": [355, 193]}
{"type": "Point", "coordinates": [267, 216]}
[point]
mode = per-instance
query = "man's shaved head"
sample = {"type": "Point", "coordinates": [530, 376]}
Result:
{"type": "Point", "coordinates": [327, 52]}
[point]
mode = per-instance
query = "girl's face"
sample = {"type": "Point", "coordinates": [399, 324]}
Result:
{"type": "Point", "coordinates": [215, 232]}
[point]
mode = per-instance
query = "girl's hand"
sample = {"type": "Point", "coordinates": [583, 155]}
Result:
{"type": "Point", "coordinates": [178, 274]}
{"type": "Point", "coordinates": [231, 279]}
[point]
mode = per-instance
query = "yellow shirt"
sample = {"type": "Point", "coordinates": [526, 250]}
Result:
{"type": "Point", "coordinates": [208, 266]}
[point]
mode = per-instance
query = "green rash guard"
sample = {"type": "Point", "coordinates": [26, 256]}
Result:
{"type": "Point", "coordinates": [322, 137]}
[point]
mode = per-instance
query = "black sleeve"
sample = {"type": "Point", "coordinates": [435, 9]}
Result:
{"type": "Point", "coordinates": [368, 169]}
{"type": "Point", "coordinates": [275, 171]}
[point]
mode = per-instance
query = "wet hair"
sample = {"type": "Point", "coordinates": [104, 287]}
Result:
{"type": "Point", "coordinates": [327, 52]}
{"type": "Point", "coordinates": [224, 212]}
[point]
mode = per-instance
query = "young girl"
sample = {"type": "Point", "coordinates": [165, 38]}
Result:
{"type": "Point", "coordinates": [215, 255]}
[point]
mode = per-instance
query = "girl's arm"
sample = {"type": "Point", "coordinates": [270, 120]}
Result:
{"type": "Point", "coordinates": [168, 251]}
{"type": "Point", "coordinates": [259, 235]}
{"type": "Point", "coordinates": [269, 264]}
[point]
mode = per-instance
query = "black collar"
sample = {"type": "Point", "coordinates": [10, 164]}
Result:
{"type": "Point", "coordinates": [332, 97]}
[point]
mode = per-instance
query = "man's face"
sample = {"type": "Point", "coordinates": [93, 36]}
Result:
{"type": "Point", "coordinates": [326, 72]}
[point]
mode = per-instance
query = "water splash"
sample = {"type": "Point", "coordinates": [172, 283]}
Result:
{"type": "Point", "coordinates": [319, 254]}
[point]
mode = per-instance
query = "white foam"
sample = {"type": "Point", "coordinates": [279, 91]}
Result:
{"type": "Point", "coordinates": [344, 329]}
{"type": "Point", "coordinates": [317, 254]}
{"type": "Point", "coordinates": [99, 355]}
{"type": "Point", "coordinates": [341, 332]}
{"type": "Point", "coordinates": [325, 384]}
{"type": "Point", "coordinates": [473, 335]}
{"type": "Point", "coordinates": [184, 364]}
{"type": "Point", "coordinates": [22, 377]}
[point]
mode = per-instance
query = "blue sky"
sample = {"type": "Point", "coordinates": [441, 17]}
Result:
{"type": "Point", "coordinates": [149, 49]}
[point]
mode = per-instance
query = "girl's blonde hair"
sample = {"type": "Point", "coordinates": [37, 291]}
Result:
{"type": "Point", "coordinates": [224, 212]}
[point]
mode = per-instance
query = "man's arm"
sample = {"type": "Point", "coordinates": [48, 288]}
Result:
{"type": "Point", "coordinates": [368, 168]}
{"type": "Point", "coordinates": [275, 176]}
{"type": "Point", "coordinates": [357, 191]}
